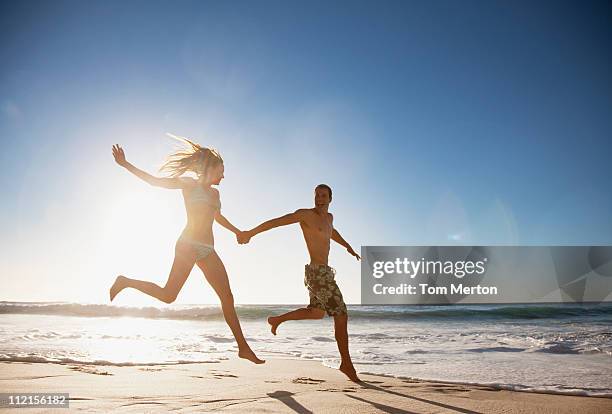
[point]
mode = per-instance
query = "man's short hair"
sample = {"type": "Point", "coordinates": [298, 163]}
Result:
{"type": "Point", "coordinates": [328, 188]}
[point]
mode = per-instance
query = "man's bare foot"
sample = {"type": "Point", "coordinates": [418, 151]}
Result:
{"type": "Point", "coordinates": [274, 322]}
{"type": "Point", "coordinates": [117, 287]}
{"type": "Point", "coordinates": [349, 371]}
{"type": "Point", "coordinates": [250, 355]}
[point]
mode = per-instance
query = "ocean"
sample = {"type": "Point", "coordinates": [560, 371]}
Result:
{"type": "Point", "coordinates": [554, 348]}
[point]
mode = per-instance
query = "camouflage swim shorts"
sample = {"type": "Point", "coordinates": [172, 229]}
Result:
{"type": "Point", "coordinates": [323, 290]}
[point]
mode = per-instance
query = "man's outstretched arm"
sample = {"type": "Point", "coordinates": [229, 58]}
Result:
{"type": "Point", "coordinates": [285, 220]}
{"type": "Point", "coordinates": [338, 239]}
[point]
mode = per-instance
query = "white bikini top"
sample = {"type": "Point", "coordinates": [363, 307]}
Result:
{"type": "Point", "coordinates": [198, 195]}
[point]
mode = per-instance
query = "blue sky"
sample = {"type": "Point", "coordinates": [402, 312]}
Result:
{"type": "Point", "coordinates": [442, 122]}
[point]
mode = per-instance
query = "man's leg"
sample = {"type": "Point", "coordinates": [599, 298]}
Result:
{"type": "Point", "coordinates": [341, 332]}
{"type": "Point", "coordinates": [296, 315]}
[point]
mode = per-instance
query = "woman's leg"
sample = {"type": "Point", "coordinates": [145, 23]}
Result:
{"type": "Point", "coordinates": [215, 273]}
{"type": "Point", "coordinates": [181, 267]}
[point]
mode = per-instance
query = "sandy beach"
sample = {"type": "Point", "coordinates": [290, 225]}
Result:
{"type": "Point", "coordinates": [279, 386]}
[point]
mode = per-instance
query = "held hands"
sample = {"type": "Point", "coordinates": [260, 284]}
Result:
{"type": "Point", "coordinates": [352, 253]}
{"type": "Point", "coordinates": [243, 237]}
{"type": "Point", "coordinates": [119, 155]}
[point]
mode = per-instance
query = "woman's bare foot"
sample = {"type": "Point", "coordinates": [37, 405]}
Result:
{"type": "Point", "coordinates": [250, 355]}
{"type": "Point", "coordinates": [349, 371]}
{"type": "Point", "coordinates": [117, 286]}
{"type": "Point", "coordinates": [274, 322]}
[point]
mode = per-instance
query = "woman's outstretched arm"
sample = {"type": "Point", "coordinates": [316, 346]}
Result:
{"type": "Point", "coordinates": [165, 182]}
{"type": "Point", "coordinates": [220, 218]}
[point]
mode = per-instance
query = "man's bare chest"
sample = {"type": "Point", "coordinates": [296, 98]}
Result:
{"type": "Point", "coordinates": [321, 227]}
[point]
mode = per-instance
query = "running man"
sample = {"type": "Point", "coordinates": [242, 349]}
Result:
{"type": "Point", "coordinates": [325, 297]}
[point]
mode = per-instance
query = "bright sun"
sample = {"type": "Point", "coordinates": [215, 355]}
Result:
{"type": "Point", "coordinates": [142, 227]}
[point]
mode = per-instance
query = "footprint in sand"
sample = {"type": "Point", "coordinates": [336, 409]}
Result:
{"type": "Point", "coordinates": [337, 390]}
{"type": "Point", "coordinates": [89, 370]}
{"type": "Point", "coordinates": [30, 378]}
{"type": "Point", "coordinates": [222, 374]}
{"type": "Point", "coordinates": [306, 380]}
{"type": "Point", "coordinates": [448, 390]}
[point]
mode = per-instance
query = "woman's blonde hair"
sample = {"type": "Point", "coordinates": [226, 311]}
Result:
{"type": "Point", "coordinates": [193, 158]}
